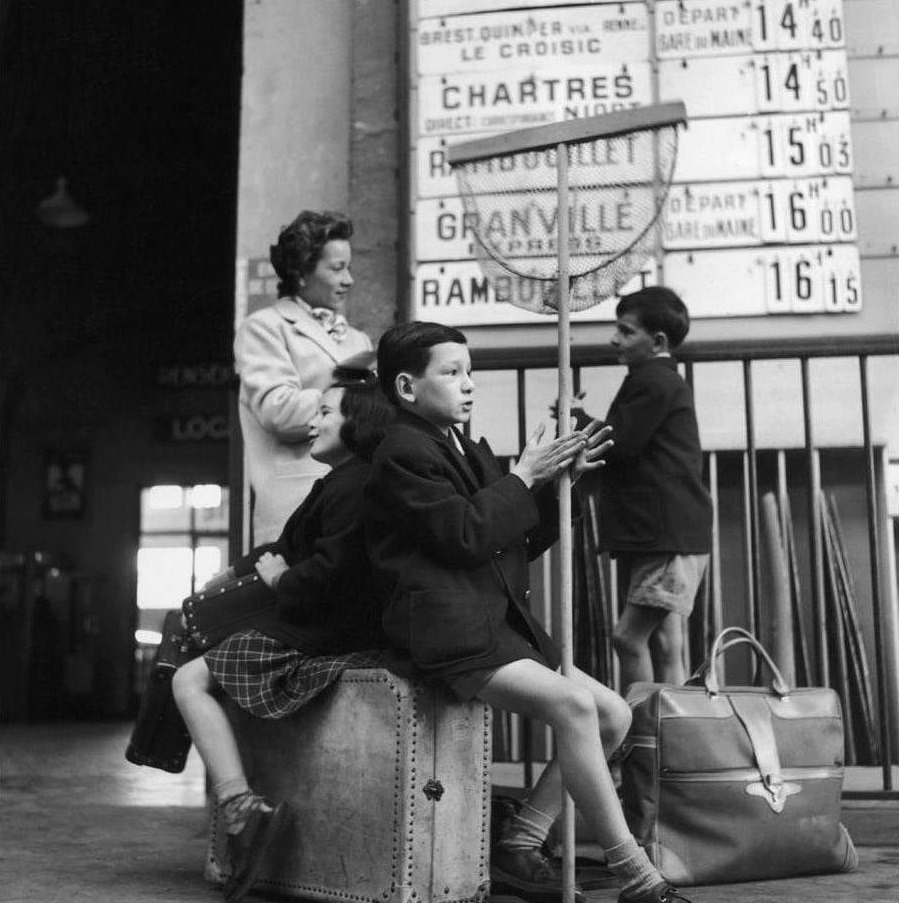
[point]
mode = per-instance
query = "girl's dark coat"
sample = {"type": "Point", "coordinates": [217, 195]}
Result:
{"type": "Point", "coordinates": [326, 601]}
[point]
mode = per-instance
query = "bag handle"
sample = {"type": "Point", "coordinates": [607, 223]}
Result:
{"type": "Point", "coordinates": [706, 674]}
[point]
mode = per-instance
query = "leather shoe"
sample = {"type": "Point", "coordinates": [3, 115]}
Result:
{"type": "Point", "coordinates": [247, 849]}
{"type": "Point", "coordinates": [660, 893]}
{"type": "Point", "coordinates": [527, 873]}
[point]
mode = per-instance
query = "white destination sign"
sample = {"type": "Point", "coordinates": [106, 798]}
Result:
{"type": "Point", "coordinates": [803, 210]}
{"type": "Point", "coordinates": [735, 214]}
{"type": "Point", "coordinates": [433, 176]}
{"type": "Point", "coordinates": [702, 28]}
{"type": "Point", "coordinates": [426, 8]}
{"type": "Point", "coordinates": [524, 226]}
{"type": "Point", "coordinates": [623, 159]}
{"type": "Point", "coordinates": [781, 82]}
{"type": "Point", "coordinates": [718, 27]}
{"type": "Point", "coordinates": [757, 281]}
{"type": "Point", "coordinates": [798, 24]}
{"type": "Point", "coordinates": [512, 99]}
{"type": "Point", "coordinates": [459, 294]}
{"type": "Point", "coordinates": [805, 144]}
{"type": "Point", "coordinates": [540, 38]}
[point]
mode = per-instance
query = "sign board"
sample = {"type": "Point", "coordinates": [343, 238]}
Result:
{"type": "Point", "coordinates": [761, 83]}
{"type": "Point", "coordinates": [617, 161]}
{"type": "Point", "coordinates": [716, 27]}
{"type": "Point", "coordinates": [467, 103]}
{"type": "Point", "coordinates": [765, 147]}
{"type": "Point", "coordinates": [537, 38]}
{"type": "Point", "coordinates": [457, 292]}
{"type": "Point", "coordinates": [728, 214]}
{"type": "Point", "coordinates": [426, 8]}
{"type": "Point", "coordinates": [749, 282]}
{"type": "Point", "coordinates": [520, 226]}
{"type": "Point", "coordinates": [760, 217]}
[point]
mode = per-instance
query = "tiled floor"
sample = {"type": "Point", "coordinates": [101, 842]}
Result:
{"type": "Point", "coordinates": [79, 823]}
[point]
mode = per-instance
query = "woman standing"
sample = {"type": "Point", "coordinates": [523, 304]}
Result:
{"type": "Point", "coordinates": [285, 356]}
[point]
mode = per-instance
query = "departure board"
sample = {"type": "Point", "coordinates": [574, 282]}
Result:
{"type": "Point", "coordinates": [760, 218]}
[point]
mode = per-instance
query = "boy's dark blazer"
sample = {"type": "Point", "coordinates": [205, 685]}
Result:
{"type": "Point", "coordinates": [450, 537]}
{"type": "Point", "coordinates": [652, 498]}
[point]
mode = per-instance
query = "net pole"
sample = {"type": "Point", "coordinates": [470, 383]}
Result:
{"type": "Point", "coordinates": [565, 543]}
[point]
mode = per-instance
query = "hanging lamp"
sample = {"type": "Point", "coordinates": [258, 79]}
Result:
{"type": "Point", "coordinates": [60, 210]}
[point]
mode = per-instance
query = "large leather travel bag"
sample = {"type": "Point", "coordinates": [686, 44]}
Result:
{"type": "Point", "coordinates": [160, 738]}
{"type": "Point", "coordinates": [213, 615]}
{"type": "Point", "coordinates": [389, 780]}
{"type": "Point", "coordinates": [727, 784]}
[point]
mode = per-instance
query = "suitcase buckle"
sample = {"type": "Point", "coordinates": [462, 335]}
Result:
{"type": "Point", "coordinates": [774, 791]}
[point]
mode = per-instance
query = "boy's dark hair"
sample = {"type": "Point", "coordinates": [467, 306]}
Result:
{"type": "Point", "coordinates": [658, 309]}
{"type": "Point", "coordinates": [368, 414]}
{"type": "Point", "coordinates": [407, 348]}
{"type": "Point", "coordinates": [300, 246]}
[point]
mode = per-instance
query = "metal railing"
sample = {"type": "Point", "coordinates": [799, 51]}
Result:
{"type": "Point", "coordinates": [519, 362]}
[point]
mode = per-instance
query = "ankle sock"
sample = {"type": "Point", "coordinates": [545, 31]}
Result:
{"type": "Point", "coordinates": [236, 810]}
{"type": "Point", "coordinates": [630, 864]}
{"type": "Point", "coordinates": [527, 829]}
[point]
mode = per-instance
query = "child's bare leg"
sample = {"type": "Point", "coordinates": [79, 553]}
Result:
{"type": "Point", "coordinates": [570, 708]}
{"type": "Point", "coordinates": [666, 649]}
{"type": "Point", "coordinates": [521, 850]}
{"type": "Point", "coordinates": [614, 721]}
{"type": "Point", "coordinates": [252, 824]}
{"type": "Point", "coordinates": [195, 693]}
{"type": "Point", "coordinates": [631, 639]}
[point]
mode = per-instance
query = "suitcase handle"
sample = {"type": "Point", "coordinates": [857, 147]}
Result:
{"type": "Point", "coordinates": [707, 675]}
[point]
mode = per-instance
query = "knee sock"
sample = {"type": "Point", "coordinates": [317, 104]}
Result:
{"type": "Point", "coordinates": [630, 864]}
{"type": "Point", "coordinates": [527, 829]}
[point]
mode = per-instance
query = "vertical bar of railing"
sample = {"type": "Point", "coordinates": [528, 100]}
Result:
{"type": "Point", "coordinates": [686, 647]}
{"type": "Point", "coordinates": [527, 751]}
{"type": "Point", "coordinates": [716, 615]}
{"type": "Point", "coordinates": [752, 501]}
{"type": "Point", "coordinates": [876, 601]}
{"type": "Point", "coordinates": [816, 549]}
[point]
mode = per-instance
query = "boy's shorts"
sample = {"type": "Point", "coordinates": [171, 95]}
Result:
{"type": "Point", "coordinates": [664, 581]}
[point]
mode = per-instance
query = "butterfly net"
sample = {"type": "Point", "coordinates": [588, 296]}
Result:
{"type": "Point", "coordinates": [617, 188]}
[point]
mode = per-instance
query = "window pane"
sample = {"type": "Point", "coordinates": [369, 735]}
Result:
{"type": "Point", "coordinates": [164, 508]}
{"type": "Point", "coordinates": [211, 558]}
{"type": "Point", "coordinates": [163, 576]}
{"type": "Point", "coordinates": [211, 518]}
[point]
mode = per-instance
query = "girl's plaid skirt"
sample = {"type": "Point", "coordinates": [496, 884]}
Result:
{"type": "Point", "coordinates": [272, 680]}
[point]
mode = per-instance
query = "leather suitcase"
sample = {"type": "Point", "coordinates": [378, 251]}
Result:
{"type": "Point", "coordinates": [390, 783]}
{"type": "Point", "coordinates": [160, 738]}
{"type": "Point", "coordinates": [212, 615]}
{"type": "Point", "coordinates": [726, 784]}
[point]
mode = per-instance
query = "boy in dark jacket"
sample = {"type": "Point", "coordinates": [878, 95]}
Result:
{"type": "Point", "coordinates": [449, 537]}
{"type": "Point", "coordinates": [655, 513]}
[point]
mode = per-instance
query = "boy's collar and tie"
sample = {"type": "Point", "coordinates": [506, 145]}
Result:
{"type": "Point", "coordinates": [469, 460]}
{"type": "Point", "coordinates": [456, 441]}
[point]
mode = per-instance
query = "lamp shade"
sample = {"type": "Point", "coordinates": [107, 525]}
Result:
{"type": "Point", "coordinates": [60, 210]}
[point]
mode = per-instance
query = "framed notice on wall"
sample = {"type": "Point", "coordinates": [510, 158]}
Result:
{"type": "Point", "coordinates": [760, 220]}
{"type": "Point", "coordinates": [65, 478]}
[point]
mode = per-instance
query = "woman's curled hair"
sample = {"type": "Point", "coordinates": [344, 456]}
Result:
{"type": "Point", "coordinates": [300, 246]}
{"type": "Point", "coordinates": [367, 414]}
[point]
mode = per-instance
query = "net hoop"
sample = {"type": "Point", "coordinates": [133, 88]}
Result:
{"type": "Point", "coordinates": [618, 188]}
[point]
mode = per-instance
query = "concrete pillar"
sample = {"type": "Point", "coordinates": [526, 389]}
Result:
{"type": "Point", "coordinates": [295, 119]}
